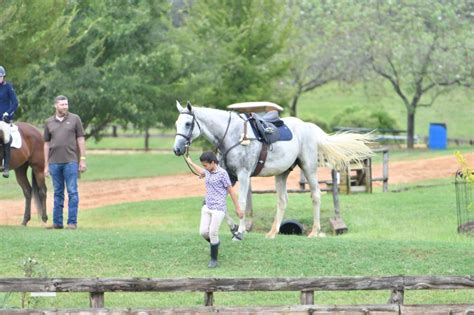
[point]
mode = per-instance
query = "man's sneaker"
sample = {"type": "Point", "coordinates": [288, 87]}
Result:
{"type": "Point", "coordinates": [72, 226]}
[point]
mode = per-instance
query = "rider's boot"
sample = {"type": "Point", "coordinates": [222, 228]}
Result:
{"type": "Point", "coordinates": [214, 253]}
{"type": "Point", "coordinates": [6, 159]}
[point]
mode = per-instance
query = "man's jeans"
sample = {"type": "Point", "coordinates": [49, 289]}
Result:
{"type": "Point", "coordinates": [65, 173]}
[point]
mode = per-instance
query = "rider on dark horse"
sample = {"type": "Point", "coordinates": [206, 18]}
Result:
{"type": "Point", "coordinates": [8, 106]}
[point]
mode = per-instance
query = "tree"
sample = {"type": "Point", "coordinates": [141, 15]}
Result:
{"type": "Point", "coordinates": [33, 32]}
{"type": "Point", "coordinates": [119, 69]}
{"type": "Point", "coordinates": [237, 50]}
{"type": "Point", "coordinates": [421, 49]}
{"type": "Point", "coordinates": [323, 48]}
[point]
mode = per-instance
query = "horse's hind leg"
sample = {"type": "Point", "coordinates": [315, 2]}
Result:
{"type": "Point", "coordinates": [316, 198]}
{"type": "Point", "coordinates": [39, 192]}
{"type": "Point", "coordinates": [22, 180]}
{"type": "Point", "coordinates": [282, 195]}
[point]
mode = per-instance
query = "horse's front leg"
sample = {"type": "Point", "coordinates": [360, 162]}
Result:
{"type": "Point", "coordinates": [244, 181]}
{"type": "Point", "coordinates": [282, 202]}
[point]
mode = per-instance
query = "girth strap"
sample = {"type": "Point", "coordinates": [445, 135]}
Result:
{"type": "Point", "coordinates": [261, 159]}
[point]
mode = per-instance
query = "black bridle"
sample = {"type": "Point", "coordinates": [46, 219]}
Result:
{"type": "Point", "coordinates": [219, 144]}
{"type": "Point", "coordinates": [189, 136]}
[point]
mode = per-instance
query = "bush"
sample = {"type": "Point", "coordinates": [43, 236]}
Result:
{"type": "Point", "coordinates": [361, 118]}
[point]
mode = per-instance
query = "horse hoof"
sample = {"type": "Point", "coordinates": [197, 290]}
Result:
{"type": "Point", "coordinates": [238, 237]}
{"type": "Point", "coordinates": [270, 235]}
{"type": "Point", "coordinates": [314, 234]}
{"type": "Point", "coordinates": [24, 224]}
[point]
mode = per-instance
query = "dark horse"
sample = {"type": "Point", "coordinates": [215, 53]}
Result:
{"type": "Point", "coordinates": [31, 154]}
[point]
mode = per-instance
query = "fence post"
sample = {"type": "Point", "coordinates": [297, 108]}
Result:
{"type": "Point", "coordinates": [385, 171]}
{"type": "Point", "coordinates": [307, 297]}
{"type": "Point", "coordinates": [397, 296]}
{"type": "Point", "coordinates": [97, 299]}
{"type": "Point", "coordinates": [208, 298]}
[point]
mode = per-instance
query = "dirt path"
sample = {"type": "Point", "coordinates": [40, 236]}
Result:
{"type": "Point", "coordinates": [100, 193]}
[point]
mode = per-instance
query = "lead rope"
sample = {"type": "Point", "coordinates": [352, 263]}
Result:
{"type": "Point", "coordinates": [189, 166]}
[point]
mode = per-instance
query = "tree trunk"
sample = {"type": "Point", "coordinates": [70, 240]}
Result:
{"type": "Point", "coordinates": [410, 128]}
{"type": "Point", "coordinates": [293, 105]}
{"type": "Point", "coordinates": [147, 139]}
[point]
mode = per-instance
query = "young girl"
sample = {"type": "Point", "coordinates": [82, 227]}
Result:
{"type": "Point", "coordinates": [213, 211]}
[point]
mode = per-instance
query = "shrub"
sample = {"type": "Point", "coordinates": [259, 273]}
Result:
{"type": "Point", "coordinates": [361, 118]}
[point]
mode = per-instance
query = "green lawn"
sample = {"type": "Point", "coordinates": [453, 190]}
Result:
{"type": "Point", "coordinates": [456, 108]}
{"type": "Point", "coordinates": [412, 232]}
{"type": "Point", "coordinates": [162, 143]}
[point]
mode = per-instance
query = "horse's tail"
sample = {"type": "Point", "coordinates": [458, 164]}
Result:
{"type": "Point", "coordinates": [340, 149]}
{"type": "Point", "coordinates": [39, 196]}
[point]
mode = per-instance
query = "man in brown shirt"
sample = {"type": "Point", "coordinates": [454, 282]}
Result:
{"type": "Point", "coordinates": [64, 146]}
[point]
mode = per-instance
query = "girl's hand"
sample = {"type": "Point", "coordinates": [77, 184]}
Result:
{"type": "Point", "coordinates": [240, 214]}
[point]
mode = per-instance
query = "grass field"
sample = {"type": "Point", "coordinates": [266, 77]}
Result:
{"type": "Point", "coordinates": [164, 143]}
{"type": "Point", "coordinates": [412, 232]}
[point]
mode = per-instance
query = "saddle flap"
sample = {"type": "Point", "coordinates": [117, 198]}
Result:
{"type": "Point", "coordinates": [269, 132]}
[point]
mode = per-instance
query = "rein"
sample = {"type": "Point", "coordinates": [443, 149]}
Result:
{"type": "Point", "coordinates": [188, 139]}
{"type": "Point", "coordinates": [189, 166]}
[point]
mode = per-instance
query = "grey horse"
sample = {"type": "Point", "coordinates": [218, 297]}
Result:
{"type": "Point", "coordinates": [309, 147]}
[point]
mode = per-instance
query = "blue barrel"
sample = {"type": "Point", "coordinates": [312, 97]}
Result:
{"type": "Point", "coordinates": [438, 136]}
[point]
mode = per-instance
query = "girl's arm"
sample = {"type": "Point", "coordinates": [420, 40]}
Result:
{"type": "Point", "coordinates": [235, 200]}
{"type": "Point", "coordinates": [196, 167]}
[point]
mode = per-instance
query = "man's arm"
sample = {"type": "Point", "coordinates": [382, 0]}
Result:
{"type": "Point", "coordinates": [81, 142]}
{"type": "Point", "coordinates": [46, 158]}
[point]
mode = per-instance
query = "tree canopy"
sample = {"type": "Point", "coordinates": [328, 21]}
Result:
{"type": "Point", "coordinates": [421, 49]}
{"type": "Point", "coordinates": [127, 61]}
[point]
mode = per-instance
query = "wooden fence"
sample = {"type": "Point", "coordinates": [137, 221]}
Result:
{"type": "Point", "coordinates": [396, 285]}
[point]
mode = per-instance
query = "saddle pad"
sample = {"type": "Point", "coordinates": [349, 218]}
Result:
{"type": "Point", "coordinates": [285, 133]}
{"type": "Point", "coordinates": [16, 137]}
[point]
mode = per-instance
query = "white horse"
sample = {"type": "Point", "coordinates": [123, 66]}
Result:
{"type": "Point", "coordinates": [224, 129]}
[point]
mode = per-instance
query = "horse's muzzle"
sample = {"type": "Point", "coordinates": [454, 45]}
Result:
{"type": "Point", "coordinates": [178, 151]}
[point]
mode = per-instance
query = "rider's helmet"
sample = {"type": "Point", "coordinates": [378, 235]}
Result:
{"type": "Point", "coordinates": [2, 72]}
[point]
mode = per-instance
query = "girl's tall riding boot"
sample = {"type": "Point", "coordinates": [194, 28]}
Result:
{"type": "Point", "coordinates": [6, 159]}
{"type": "Point", "coordinates": [214, 253]}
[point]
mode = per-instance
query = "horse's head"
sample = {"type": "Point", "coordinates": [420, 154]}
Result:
{"type": "Point", "coordinates": [186, 130]}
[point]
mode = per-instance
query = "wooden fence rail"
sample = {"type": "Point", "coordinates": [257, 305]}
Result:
{"type": "Point", "coordinates": [397, 285]}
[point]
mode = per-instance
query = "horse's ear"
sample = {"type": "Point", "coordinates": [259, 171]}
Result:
{"type": "Point", "coordinates": [189, 106]}
{"type": "Point", "coordinates": [179, 107]}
